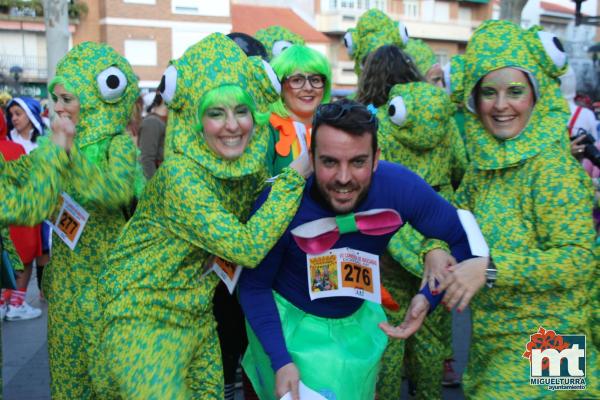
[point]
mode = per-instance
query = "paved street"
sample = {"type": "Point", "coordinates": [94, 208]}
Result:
{"type": "Point", "coordinates": [25, 368]}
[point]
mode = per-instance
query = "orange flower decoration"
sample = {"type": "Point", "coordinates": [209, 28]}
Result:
{"type": "Point", "coordinates": [545, 339]}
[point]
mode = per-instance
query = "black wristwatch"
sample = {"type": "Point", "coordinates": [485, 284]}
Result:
{"type": "Point", "coordinates": [490, 274]}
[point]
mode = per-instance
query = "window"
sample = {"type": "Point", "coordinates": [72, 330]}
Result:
{"type": "Point", "coordinates": [354, 5]}
{"type": "Point", "coordinates": [141, 52]}
{"type": "Point", "coordinates": [140, 1]}
{"type": "Point", "coordinates": [411, 8]}
{"type": "Point", "coordinates": [441, 11]}
{"type": "Point", "coordinates": [201, 7]}
{"type": "Point", "coordinates": [464, 15]}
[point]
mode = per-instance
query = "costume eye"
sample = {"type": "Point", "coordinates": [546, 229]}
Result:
{"type": "Point", "coordinates": [554, 48]}
{"type": "Point", "coordinates": [348, 43]}
{"type": "Point", "coordinates": [403, 32]}
{"type": "Point", "coordinates": [272, 77]}
{"type": "Point", "coordinates": [397, 111]}
{"type": "Point", "coordinates": [279, 46]}
{"type": "Point", "coordinates": [168, 84]}
{"type": "Point", "coordinates": [112, 83]}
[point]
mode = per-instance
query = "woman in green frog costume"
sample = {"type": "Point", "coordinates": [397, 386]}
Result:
{"type": "Point", "coordinates": [416, 131]}
{"type": "Point", "coordinates": [373, 30]}
{"type": "Point", "coordinates": [159, 333]}
{"type": "Point", "coordinates": [534, 205]}
{"type": "Point", "coordinates": [276, 39]}
{"type": "Point", "coordinates": [94, 89]}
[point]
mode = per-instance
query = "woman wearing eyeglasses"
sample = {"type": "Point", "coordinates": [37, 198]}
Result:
{"type": "Point", "coordinates": [305, 75]}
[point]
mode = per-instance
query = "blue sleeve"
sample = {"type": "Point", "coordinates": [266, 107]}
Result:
{"type": "Point", "coordinates": [257, 301]}
{"type": "Point", "coordinates": [432, 216]}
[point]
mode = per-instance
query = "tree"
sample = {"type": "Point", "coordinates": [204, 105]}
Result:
{"type": "Point", "coordinates": [511, 10]}
{"type": "Point", "coordinates": [56, 18]}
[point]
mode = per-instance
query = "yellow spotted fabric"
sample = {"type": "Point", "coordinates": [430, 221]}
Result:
{"type": "Point", "coordinates": [29, 187]}
{"type": "Point", "coordinates": [274, 33]}
{"type": "Point", "coordinates": [533, 203]}
{"type": "Point", "coordinates": [100, 178]}
{"type": "Point", "coordinates": [422, 54]}
{"type": "Point", "coordinates": [159, 334]}
{"type": "Point", "coordinates": [423, 143]}
{"type": "Point", "coordinates": [373, 30]}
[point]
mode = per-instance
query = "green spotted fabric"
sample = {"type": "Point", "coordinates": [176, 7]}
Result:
{"type": "Point", "coordinates": [157, 290]}
{"type": "Point", "coordinates": [223, 63]}
{"type": "Point", "coordinates": [29, 187]}
{"type": "Point", "coordinates": [418, 131]}
{"type": "Point", "coordinates": [533, 203]}
{"type": "Point", "coordinates": [373, 30]}
{"type": "Point", "coordinates": [271, 35]}
{"type": "Point", "coordinates": [500, 44]}
{"type": "Point", "coordinates": [422, 54]}
{"type": "Point", "coordinates": [101, 178]}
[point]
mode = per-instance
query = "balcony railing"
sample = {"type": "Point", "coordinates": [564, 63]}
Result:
{"type": "Point", "coordinates": [28, 67]}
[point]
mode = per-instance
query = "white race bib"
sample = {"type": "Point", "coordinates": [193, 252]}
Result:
{"type": "Point", "coordinates": [228, 272]}
{"type": "Point", "coordinates": [71, 220]}
{"type": "Point", "coordinates": [344, 272]}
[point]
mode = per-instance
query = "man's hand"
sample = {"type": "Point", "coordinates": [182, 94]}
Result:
{"type": "Point", "coordinates": [437, 262]}
{"type": "Point", "coordinates": [286, 380]}
{"type": "Point", "coordinates": [463, 281]}
{"type": "Point", "coordinates": [63, 132]}
{"type": "Point", "coordinates": [416, 313]}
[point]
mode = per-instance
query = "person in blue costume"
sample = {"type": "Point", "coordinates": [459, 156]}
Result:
{"type": "Point", "coordinates": [333, 345]}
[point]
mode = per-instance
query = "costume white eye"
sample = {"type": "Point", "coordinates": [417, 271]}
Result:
{"type": "Point", "coordinates": [279, 46]}
{"type": "Point", "coordinates": [397, 111]}
{"type": "Point", "coordinates": [272, 76]}
{"type": "Point", "coordinates": [403, 32]}
{"type": "Point", "coordinates": [554, 48]}
{"type": "Point", "coordinates": [111, 83]}
{"type": "Point", "coordinates": [168, 84]}
{"type": "Point", "coordinates": [348, 43]}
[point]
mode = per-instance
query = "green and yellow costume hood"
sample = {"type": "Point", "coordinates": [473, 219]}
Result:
{"type": "Point", "coordinates": [500, 44]}
{"type": "Point", "coordinates": [373, 30]}
{"type": "Point", "coordinates": [276, 39]}
{"type": "Point", "coordinates": [418, 116]}
{"type": "Point", "coordinates": [422, 55]}
{"type": "Point", "coordinates": [213, 62]}
{"type": "Point", "coordinates": [454, 76]}
{"type": "Point", "coordinates": [106, 87]}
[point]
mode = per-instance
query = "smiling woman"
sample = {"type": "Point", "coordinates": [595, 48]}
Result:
{"type": "Point", "coordinates": [505, 100]}
{"type": "Point", "coordinates": [306, 82]}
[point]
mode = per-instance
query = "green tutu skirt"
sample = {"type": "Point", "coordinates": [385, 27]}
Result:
{"type": "Point", "coordinates": [337, 357]}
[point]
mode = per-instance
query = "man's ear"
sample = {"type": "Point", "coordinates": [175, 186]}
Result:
{"type": "Point", "coordinates": [376, 159]}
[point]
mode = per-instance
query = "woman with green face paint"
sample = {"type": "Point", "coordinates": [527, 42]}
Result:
{"type": "Point", "coordinates": [533, 203]}
{"type": "Point", "coordinates": [159, 334]}
{"type": "Point", "coordinates": [93, 91]}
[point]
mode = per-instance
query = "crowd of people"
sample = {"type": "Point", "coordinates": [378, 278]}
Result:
{"type": "Point", "coordinates": [247, 219]}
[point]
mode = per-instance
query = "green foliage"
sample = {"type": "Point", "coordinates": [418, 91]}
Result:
{"type": "Point", "coordinates": [35, 8]}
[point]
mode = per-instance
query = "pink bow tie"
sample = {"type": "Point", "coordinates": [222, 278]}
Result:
{"type": "Point", "coordinates": [320, 235]}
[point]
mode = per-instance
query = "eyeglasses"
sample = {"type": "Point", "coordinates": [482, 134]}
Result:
{"type": "Point", "coordinates": [332, 112]}
{"type": "Point", "coordinates": [297, 81]}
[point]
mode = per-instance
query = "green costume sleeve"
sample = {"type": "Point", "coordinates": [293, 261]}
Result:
{"type": "Point", "coordinates": [15, 260]}
{"type": "Point", "coordinates": [109, 186]}
{"type": "Point", "coordinates": [562, 223]}
{"type": "Point", "coordinates": [28, 202]}
{"type": "Point", "coordinates": [203, 221]}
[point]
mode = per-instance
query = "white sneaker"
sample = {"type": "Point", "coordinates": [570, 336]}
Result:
{"type": "Point", "coordinates": [22, 312]}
